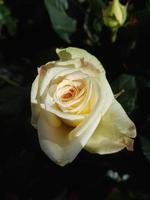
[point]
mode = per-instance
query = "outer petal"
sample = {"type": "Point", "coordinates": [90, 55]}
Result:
{"type": "Point", "coordinates": [54, 141]}
{"type": "Point", "coordinates": [34, 90]}
{"type": "Point", "coordinates": [35, 107]}
{"type": "Point", "coordinates": [113, 133]}
{"type": "Point", "coordinates": [89, 63]}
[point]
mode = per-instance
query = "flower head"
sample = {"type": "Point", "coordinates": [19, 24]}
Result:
{"type": "Point", "coordinates": [73, 107]}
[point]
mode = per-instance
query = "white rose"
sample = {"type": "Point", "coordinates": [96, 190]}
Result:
{"type": "Point", "coordinates": [73, 107]}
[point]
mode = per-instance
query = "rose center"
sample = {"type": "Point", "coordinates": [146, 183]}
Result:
{"type": "Point", "coordinates": [69, 94]}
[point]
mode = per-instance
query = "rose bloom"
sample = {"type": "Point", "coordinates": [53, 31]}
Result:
{"type": "Point", "coordinates": [73, 107]}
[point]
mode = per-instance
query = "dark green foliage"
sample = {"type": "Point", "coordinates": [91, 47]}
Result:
{"type": "Point", "coordinates": [61, 22]}
{"type": "Point", "coordinates": [7, 21]}
{"type": "Point", "coordinates": [127, 83]}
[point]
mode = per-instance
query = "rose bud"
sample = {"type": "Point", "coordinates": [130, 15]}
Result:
{"type": "Point", "coordinates": [114, 16]}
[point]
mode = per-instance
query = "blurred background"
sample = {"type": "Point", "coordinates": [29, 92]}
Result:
{"type": "Point", "coordinates": [30, 31]}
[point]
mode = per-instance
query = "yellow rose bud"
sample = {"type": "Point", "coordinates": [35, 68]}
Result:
{"type": "Point", "coordinates": [73, 107]}
{"type": "Point", "coordinates": [114, 16]}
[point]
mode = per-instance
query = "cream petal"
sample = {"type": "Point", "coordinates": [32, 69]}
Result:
{"type": "Point", "coordinates": [69, 105]}
{"type": "Point", "coordinates": [114, 132]}
{"type": "Point", "coordinates": [72, 63]}
{"type": "Point", "coordinates": [35, 110]}
{"type": "Point", "coordinates": [89, 63]}
{"type": "Point", "coordinates": [51, 75]}
{"type": "Point", "coordinates": [79, 95]}
{"type": "Point", "coordinates": [46, 76]}
{"type": "Point", "coordinates": [72, 119]}
{"type": "Point", "coordinates": [65, 71]}
{"type": "Point", "coordinates": [54, 141]}
{"type": "Point", "coordinates": [34, 89]}
{"type": "Point", "coordinates": [76, 75]}
{"type": "Point", "coordinates": [79, 108]}
{"type": "Point", "coordinates": [63, 115]}
{"type": "Point", "coordinates": [35, 107]}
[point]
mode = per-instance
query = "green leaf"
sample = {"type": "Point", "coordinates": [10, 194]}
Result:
{"type": "Point", "coordinates": [6, 20]}
{"type": "Point", "coordinates": [63, 24]}
{"type": "Point", "coordinates": [128, 98]}
{"type": "Point", "coordinates": [145, 142]}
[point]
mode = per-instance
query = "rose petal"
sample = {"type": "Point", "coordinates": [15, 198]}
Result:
{"type": "Point", "coordinates": [63, 115]}
{"type": "Point", "coordinates": [113, 133]}
{"type": "Point", "coordinates": [46, 76]}
{"type": "Point", "coordinates": [89, 63]}
{"type": "Point", "coordinates": [77, 75]}
{"type": "Point", "coordinates": [35, 108]}
{"type": "Point", "coordinates": [54, 140]}
{"type": "Point", "coordinates": [78, 109]}
{"type": "Point", "coordinates": [34, 89]}
{"type": "Point", "coordinates": [72, 63]}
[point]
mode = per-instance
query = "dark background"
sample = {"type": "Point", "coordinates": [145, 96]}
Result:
{"type": "Point", "coordinates": [28, 38]}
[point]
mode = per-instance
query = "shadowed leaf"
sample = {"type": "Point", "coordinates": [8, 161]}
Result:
{"type": "Point", "coordinates": [128, 98]}
{"type": "Point", "coordinates": [61, 22]}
